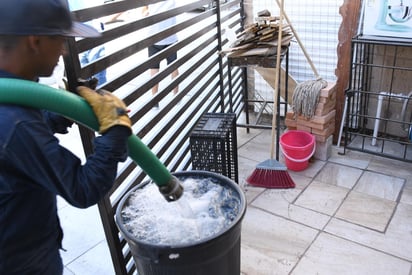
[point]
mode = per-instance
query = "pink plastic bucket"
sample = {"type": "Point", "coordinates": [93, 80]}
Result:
{"type": "Point", "coordinates": [297, 147]}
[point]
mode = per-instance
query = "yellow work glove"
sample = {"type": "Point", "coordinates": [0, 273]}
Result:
{"type": "Point", "coordinates": [109, 109]}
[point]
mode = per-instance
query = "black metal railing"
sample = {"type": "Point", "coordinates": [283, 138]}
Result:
{"type": "Point", "coordinates": [379, 112]}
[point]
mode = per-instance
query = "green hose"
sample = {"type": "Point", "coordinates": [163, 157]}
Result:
{"type": "Point", "coordinates": [35, 95]}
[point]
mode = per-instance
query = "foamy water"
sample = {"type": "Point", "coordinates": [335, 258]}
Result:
{"type": "Point", "coordinates": [204, 210]}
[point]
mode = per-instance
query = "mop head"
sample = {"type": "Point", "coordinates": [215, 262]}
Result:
{"type": "Point", "coordinates": [306, 97]}
{"type": "Point", "coordinates": [271, 174]}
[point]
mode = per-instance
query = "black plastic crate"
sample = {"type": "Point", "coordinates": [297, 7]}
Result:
{"type": "Point", "coordinates": [213, 145]}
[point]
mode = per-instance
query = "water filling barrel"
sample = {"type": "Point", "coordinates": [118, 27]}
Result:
{"type": "Point", "coordinates": [298, 147]}
{"type": "Point", "coordinates": [218, 254]}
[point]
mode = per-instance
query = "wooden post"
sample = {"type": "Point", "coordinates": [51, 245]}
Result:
{"type": "Point", "coordinates": [350, 12]}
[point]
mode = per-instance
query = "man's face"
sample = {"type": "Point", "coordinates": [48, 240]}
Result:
{"type": "Point", "coordinates": [50, 48]}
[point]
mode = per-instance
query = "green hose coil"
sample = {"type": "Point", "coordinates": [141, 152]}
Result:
{"type": "Point", "coordinates": [35, 95]}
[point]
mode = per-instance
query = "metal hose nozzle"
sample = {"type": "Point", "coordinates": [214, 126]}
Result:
{"type": "Point", "coordinates": [173, 190]}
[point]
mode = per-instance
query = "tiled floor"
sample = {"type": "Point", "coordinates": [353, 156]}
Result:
{"type": "Point", "coordinates": [351, 215]}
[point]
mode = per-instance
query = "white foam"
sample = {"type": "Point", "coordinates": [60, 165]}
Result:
{"type": "Point", "coordinates": [203, 211]}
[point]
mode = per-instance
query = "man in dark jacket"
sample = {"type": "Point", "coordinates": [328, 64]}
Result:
{"type": "Point", "coordinates": [34, 168]}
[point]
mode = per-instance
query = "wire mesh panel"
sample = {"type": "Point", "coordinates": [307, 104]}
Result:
{"type": "Point", "coordinates": [213, 144]}
{"type": "Point", "coordinates": [317, 24]}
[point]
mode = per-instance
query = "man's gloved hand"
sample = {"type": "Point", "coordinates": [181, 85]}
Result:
{"type": "Point", "coordinates": [109, 109]}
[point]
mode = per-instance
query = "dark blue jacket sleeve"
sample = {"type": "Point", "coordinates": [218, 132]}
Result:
{"type": "Point", "coordinates": [38, 155]}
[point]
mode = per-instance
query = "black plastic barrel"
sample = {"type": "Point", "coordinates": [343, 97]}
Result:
{"type": "Point", "coordinates": [217, 255]}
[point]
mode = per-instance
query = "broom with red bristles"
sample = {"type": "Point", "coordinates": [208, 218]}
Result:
{"type": "Point", "coordinates": [271, 173]}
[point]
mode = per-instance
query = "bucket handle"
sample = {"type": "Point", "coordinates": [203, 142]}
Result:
{"type": "Point", "coordinates": [300, 160]}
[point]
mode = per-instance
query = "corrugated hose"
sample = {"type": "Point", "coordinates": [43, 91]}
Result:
{"type": "Point", "coordinates": [35, 95]}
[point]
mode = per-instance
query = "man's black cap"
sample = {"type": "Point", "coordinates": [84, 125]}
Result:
{"type": "Point", "coordinates": [41, 17]}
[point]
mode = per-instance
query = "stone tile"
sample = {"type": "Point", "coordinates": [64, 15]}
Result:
{"type": "Point", "coordinates": [66, 271]}
{"type": "Point", "coordinates": [243, 137]}
{"type": "Point", "coordinates": [406, 196]}
{"type": "Point", "coordinates": [270, 244]}
{"type": "Point", "coordinates": [380, 186]}
{"type": "Point", "coordinates": [97, 260]}
{"type": "Point", "coordinates": [322, 197]}
{"type": "Point", "coordinates": [395, 241]}
{"type": "Point", "coordinates": [351, 158]}
{"type": "Point", "coordinates": [367, 210]}
{"type": "Point", "coordinates": [390, 167]}
{"type": "Point", "coordinates": [301, 181]}
{"type": "Point", "coordinates": [61, 203]}
{"type": "Point", "coordinates": [279, 202]}
{"type": "Point", "coordinates": [258, 148]}
{"type": "Point", "coordinates": [313, 169]}
{"type": "Point", "coordinates": [398, 234]}
{"type": "Point", "coordinates": [332, 255]}
{"type": "Point", "coordinates": [339, 175]}
{"type": "Point", "coordinates": [82, 230]}
{"type": "Point", "coordinates": [252, 192]}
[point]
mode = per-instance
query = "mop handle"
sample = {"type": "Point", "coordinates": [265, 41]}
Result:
{"type": "Point", "coordinates": [299, 42]}
{"type": "Point", "coordinates": [275, 91]}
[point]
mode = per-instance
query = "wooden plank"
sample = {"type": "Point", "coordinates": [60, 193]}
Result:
{"type": "Point", "coordinates": [268, 75]}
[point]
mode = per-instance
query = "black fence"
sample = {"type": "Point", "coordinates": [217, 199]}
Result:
{"type": "Point", "coordinates": [202, 85]}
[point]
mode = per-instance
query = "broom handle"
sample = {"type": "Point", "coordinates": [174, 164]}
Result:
{"type": "Point", "coordinates": [275, 90]}
{"type": "Point", "coordinates": [299, 41]}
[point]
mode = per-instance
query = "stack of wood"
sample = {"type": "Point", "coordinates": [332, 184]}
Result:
{"type": "Point", "coordinates": [261, 37]}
